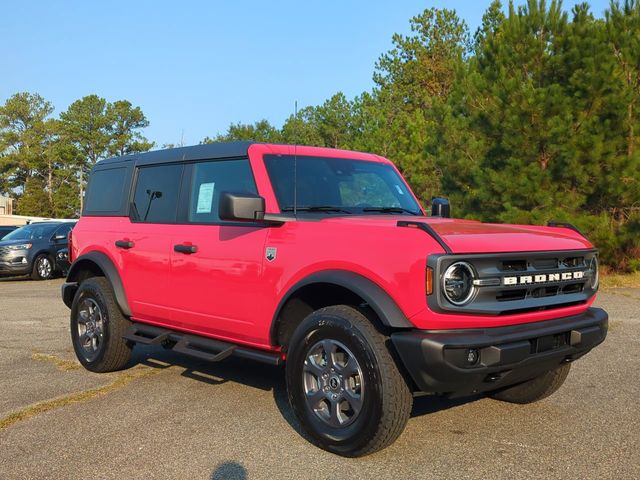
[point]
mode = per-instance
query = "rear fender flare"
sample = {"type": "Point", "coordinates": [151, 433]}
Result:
{"type": "Point", "coordinates": [105, 264]}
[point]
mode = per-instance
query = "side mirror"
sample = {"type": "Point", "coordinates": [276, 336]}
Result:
{"type": "Point", "coordinates": [440, 207]}
{"type": "Point", "coordinates": [241, 206]}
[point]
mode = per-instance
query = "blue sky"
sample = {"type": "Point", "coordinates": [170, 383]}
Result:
{"type": "Point", "coordinates": [196, 66]}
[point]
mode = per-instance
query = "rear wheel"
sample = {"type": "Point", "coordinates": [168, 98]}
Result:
{"type": "Point", "coordinates": [536, 388]}
{"type": "Point", "coordinates": [343, 383]}
{"type": "Point", "coordinates": [42, 268]}
{"type": "Point", "coordinates": [97, 327]}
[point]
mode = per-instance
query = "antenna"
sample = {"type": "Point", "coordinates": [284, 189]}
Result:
{"type": "Point", "coordinates": [295, 163]}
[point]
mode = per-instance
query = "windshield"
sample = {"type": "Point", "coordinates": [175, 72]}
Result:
{"type": "Point", "coordinates": [338, 185]}
{"type": "Point", "coordinates": [32, 232]}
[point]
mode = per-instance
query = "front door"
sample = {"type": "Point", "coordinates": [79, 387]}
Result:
{"type": "Point", "coordinates": [216, 266]}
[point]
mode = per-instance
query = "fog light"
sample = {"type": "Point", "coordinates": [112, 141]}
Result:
{"type": "Point", "coordinates": [472, 356]}
{"type": "Point", "coordinates": [24, 260]}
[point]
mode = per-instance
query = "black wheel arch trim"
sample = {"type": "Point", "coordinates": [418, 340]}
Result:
{"type": "Point", "coordinates": [375, 296]}
{"type": "Point", "coordinates": [104, 263]}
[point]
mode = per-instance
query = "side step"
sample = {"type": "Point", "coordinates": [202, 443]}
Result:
{"type": "Point", "coordinates": [196, 346]}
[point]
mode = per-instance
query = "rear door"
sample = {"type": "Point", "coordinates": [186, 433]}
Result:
{"type": "Point", "coordinates": [216, 266]}
{"type": "Point", "coordinates": [144, 242]}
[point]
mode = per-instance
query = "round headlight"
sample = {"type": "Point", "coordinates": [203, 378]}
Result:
{"type": "Point", "coordinates": [457, 283]}
{"type": "Point", "coordinates": [594, 274]}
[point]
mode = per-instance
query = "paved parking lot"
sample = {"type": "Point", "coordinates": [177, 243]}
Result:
{"type": "Point", "coordinates": [173, 417]}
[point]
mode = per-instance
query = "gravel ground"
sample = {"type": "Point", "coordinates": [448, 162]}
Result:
{"type": "Point", "coordinates": [174, 417]}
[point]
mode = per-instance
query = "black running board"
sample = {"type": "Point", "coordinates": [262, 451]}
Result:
{"type": "Point", "coordinates": [196, 346]}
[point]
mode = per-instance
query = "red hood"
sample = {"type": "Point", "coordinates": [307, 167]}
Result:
{"type": "Point", "coordinates": [469, 236]}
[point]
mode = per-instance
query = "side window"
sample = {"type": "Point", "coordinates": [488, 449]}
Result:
{"type": "Point", "coordinates": [156, 195]}
{"type": "Point", "coordinates": [106, 188]}
{"type": "Point", "coordinates": [211, 178]}
{"type": "Point", "coordinates": [63, 230]}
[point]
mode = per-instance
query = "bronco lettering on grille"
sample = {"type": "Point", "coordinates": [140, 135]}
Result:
{"type": "Point", "coordinates": [542, 278]}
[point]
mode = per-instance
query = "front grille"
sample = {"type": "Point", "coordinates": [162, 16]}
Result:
{"type": "Point", "coordinates": [4, 251]}
{"type": "Point", "coordinates": [520, 282]}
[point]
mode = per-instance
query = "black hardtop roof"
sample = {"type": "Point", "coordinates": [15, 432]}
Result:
{"type": "Point", "coordinates": [184, 154]}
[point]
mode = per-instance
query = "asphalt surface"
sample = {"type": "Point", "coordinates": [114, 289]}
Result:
{"type": "Point", "coordinates": [173, 417]}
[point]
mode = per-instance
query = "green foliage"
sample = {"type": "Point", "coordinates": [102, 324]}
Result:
{"type": "Point", "coordinates": [44, 161]}
{"type": "Point", "coordinates": [534, 119]}
{"type": "Point", "coordinates": [261, 131]}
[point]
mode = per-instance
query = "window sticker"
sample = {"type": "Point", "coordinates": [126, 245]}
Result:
{"type": "Point", "coordinates": [205, 197]}
{"type": "Point", "coordinates": [399, 189]}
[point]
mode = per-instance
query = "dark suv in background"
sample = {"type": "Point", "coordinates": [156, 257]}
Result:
{"type": "Point", "coordinates": [36, 250]}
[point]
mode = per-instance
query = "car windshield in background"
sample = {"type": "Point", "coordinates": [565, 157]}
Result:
{"type": "Point", "coordinates": [32, 232]}
{"type": "Point", "coordinates": [339, 186]}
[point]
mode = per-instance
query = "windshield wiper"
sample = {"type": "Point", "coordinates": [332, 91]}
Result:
{"type": "Point", "coordinates": [390, 210]}
{"type": "Point", "coordinates": [317, 208]}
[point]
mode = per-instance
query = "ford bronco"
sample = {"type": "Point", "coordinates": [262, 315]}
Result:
{"type": "Point", "coordinates": [323, 260]}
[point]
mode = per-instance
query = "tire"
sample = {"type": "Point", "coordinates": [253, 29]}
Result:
{"type": "Point", "coordinates": [535, 389]}
{"type": "Point", "coordinates": [97, 327]}
{"type": "Point", "coordinates": [374, 401]}
{"type": "Point", "coordinates": [42, 267]}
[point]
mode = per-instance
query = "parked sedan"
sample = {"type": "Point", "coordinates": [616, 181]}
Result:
{"type": "Point", "coordinates": [33, 250]}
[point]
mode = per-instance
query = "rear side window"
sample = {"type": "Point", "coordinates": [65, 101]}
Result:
{"type": "Point", "coordinates": [210, 179]}
{"type": "Point", "coordinates": [156, 194]}
{"type": "Point", "coordinates": [64, 229]}
{"type": "Point", "coordinates": [106, 190]}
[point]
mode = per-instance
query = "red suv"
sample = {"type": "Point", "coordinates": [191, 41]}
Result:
{"type": "Point", "coordinates": [324, 261]}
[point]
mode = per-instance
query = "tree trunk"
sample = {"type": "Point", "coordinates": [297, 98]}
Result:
{"type": "Point", "coordinates": [50, 185]}
{"type": "Point", "coordinates": [630, 135]}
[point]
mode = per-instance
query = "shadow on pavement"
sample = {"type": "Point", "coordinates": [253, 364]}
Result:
{"type": "Point", "coordinates": [263, 377]}
{"type": "Point", "coordinates": [426, 404]}
{"type": "Point", "coordinates": [253, 374]}
{"type": "Point", "coordinates": [229, 471]}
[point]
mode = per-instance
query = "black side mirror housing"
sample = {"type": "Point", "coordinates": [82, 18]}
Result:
{"type": "Point", "coordinates": [241, 206]}
{"type": "Point", "coordinates": [440, 207]}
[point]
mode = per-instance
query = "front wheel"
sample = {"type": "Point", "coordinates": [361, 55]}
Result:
{"type": "Point", "coordinates": [536, 388]}
{"type": "Point", "coordinates": [344, 385]}
{"type": "Point", "coordinates": [42, 268]}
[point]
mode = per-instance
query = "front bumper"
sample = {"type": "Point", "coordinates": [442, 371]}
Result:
{"type": "Point", "coordinates": [13, 265]}
{"type": "Point", "coordinates": [437, 360]}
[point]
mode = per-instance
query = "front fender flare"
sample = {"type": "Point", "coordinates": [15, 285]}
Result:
{"type": "Point", "coordinates": [375, 296]}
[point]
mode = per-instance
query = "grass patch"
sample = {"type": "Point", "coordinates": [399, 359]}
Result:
{"type": "Point", "coordinates": [620, 280]}
{"type": "Point", "coordinates": [78, 397]}
{"type": "Point", "coordinates": [61, 363]}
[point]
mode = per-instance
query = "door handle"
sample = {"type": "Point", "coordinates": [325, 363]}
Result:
{"type": "Point", "coordinates": [126, 244]}
{"type": "Point", "coordinates": [188, 249]}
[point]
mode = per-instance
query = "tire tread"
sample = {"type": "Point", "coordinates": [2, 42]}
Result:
{"type": "Point", "coordinates": [118, 350]}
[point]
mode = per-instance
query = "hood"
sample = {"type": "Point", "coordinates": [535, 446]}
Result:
{"type": "Point", "coordinates": [470, 236]}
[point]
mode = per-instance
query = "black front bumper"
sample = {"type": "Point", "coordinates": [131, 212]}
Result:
{"type": "Point", "coordinates": [438, 360]}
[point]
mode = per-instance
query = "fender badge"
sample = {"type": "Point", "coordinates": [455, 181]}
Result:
{"type": "Point", "coordinates": [271, 253]}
